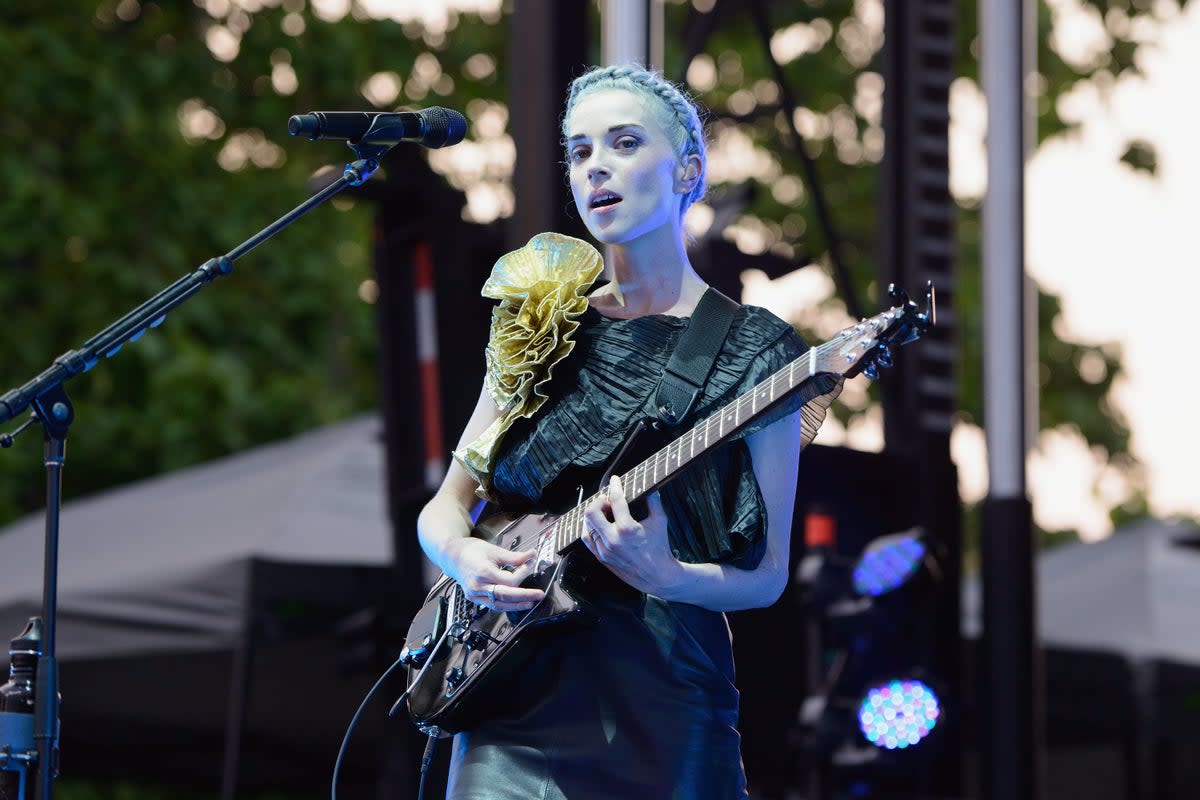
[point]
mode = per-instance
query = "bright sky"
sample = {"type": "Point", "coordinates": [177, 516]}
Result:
{"type": "Point", "coordinates": [1118, 247]}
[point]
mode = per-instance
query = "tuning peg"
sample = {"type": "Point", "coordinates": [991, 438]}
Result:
{"type": "Point", "coordinates": [929, 314]}
{"type": "Point", "coordinates": [883, 356]}
{"type": "Point", "coordinates": [871, 370]}
{"type": "Point", "coordinates": [897, 294]}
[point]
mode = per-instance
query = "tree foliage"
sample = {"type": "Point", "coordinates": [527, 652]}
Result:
{"type": "Point", "coordinates": [131, 155]}
{"type": "Point", "coordinates": [142, 138]}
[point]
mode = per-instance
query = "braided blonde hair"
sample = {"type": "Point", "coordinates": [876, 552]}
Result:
{"type": "Point", "coordinates": [672, 107]}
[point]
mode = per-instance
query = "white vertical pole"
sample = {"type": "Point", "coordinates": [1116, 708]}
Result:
{"type": "Point", "coordinates": [625, 38]}
{"type": "Point", "coordinates": [1012, 703]}
{"type": "Point", "coordinates": [625, 32]}
{"type": "Point", "coordinates": [1008, 337]}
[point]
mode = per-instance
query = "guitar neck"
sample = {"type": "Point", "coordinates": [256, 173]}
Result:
{"type": "Point", "coordinates": [666, 463]}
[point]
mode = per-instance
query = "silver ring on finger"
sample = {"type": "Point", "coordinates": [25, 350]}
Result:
{"type": "Point", "coordinates": [491, 592]}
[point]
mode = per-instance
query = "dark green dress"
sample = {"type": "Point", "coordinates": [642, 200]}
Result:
{"type": "Point", "coordinates": [642, 704]}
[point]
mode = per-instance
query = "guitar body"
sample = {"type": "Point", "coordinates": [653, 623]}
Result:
{"type": "Point", "coordinates": [481, 647]}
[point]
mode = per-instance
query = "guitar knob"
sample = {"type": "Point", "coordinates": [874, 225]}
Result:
{"type": "Point", "coordinates": [477, 640]}
{"type": "Point", "coordinates": [416, 655]}
{"type": "Point", "coordinates": [455, 677]}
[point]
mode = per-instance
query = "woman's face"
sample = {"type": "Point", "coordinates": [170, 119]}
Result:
{"type": "Point", "coordinates": [625, 176]}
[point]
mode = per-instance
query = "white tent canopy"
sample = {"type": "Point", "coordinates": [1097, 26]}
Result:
{"type": "Point", "coordinates": [1134, 594]}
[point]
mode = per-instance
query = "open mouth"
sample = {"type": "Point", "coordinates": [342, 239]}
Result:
{"type": "Point", "coordinates": [604, 200]}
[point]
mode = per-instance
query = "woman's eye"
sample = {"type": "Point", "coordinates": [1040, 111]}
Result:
{"type": "Point", "coordinates": [626, 143]}
{"type": "Point", "coordinates": [579, 153]}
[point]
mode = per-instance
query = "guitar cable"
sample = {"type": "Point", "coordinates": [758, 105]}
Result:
{"type": "Point", "coordinates": [337, 764]}
{"type": "Point", "coordinates": [426, 761]}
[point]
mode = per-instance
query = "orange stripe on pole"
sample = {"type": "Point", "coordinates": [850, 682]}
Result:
{"type": "Point", "coordinates": [423, 265]}
{"type": "Point", "coordinates": [431, 402]}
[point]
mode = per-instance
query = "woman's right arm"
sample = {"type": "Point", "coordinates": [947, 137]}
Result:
{"type": "Point", "coordinates": [444, 527]}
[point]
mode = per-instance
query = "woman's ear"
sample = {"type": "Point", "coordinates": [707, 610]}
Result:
{"type": "Point", "coordinates": [689, 174]}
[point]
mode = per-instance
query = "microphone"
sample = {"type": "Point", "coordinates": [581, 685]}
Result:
{"type": "Point", "coordinates": [431, 127]}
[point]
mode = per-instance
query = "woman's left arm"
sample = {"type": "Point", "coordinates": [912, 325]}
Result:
{"type": "Point", "coordinates": [640, 553]}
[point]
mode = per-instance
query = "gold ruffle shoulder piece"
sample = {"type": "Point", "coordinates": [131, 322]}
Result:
{"type": "Point", "coordinates": [542, 292]}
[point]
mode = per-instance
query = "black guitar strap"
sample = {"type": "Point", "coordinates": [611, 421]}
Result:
{"type": "Point", "coordinates": [684, 376]}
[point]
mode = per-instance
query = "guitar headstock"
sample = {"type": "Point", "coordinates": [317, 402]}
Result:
{"type": "Point", "coordinates": [868, 346]}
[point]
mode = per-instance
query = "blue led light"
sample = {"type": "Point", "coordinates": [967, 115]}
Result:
{"type": "Point", "coordinates": [898, 714]}
{"type": "Point", "coordinates": [887, 563]}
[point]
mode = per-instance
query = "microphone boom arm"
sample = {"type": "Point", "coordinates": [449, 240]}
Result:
{"type": "Point", "coordinates": [151, 313]}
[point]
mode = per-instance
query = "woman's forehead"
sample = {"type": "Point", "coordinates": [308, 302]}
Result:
{"type": "Point", "coordinates": [596, 112]}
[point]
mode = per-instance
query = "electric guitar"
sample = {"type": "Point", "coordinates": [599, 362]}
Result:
{"type": "Point", "coordinates": [455, 650]}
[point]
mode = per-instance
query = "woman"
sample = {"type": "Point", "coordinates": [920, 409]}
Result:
{"type": "Point", "coordinates": [642, 704]}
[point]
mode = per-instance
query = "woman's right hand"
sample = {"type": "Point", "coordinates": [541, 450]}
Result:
{"type": "Point", "coordinates": [491, 576]}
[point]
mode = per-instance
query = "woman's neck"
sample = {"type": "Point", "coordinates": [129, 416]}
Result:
{"type": "Point", "coordinates": [652, 281]}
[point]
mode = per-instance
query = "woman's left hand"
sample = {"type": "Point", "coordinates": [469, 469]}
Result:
{"type": "Point", "coordinates": [638, 553]}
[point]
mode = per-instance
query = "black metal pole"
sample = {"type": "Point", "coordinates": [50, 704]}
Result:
{"type": "Point", "coordinates": [45, 714]}
{"type": "Point", "coordinates": [920, 394]}
{"type": "Point", "coordinates": [1011, 708]}
{"type": "Point", "coordinates": [241, 678]}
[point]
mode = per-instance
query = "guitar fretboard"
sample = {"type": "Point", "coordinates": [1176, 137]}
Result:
{"type": "Point", "coordinates": [663, 465]}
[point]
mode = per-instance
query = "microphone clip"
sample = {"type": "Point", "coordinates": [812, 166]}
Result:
{"type": "Point", "coordinates": [359, 172]}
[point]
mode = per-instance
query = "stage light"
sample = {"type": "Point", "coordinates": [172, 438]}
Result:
{"type": "Point", "coordinates": [888, 562]}
{"type": "Point", "coordinates": [898, 714]}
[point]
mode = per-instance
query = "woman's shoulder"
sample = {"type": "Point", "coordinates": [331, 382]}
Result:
{"type": "Point", "coordinates": [758, 328]}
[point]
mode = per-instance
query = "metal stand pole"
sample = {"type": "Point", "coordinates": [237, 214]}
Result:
{"type": "Point", "coordinates": [1011, 721]}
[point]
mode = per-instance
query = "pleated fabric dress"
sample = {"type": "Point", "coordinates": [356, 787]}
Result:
{"type": "Point", "coordinates": [642, 704]}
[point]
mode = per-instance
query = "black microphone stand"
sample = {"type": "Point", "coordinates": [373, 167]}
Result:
{"type": "Point", "coordinates": [51, 407]}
